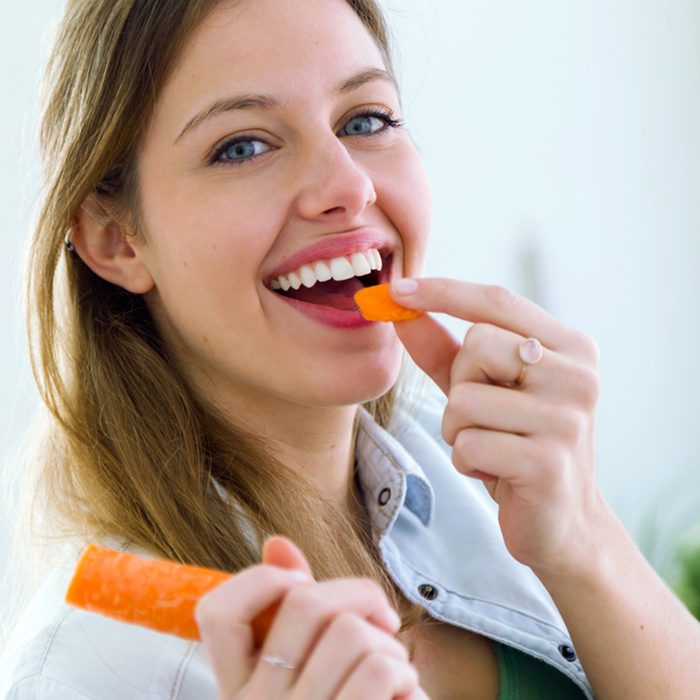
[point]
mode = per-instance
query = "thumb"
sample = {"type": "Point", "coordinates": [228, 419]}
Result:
{"type": "Point", "coordinates": [281, 551]}
{"type": "Point", "coordinates": [431, 346]}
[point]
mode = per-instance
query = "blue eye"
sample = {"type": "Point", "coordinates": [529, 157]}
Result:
{"type": "Point", "coordinates": [369, 123]}
{"type": "Point", "coordinates": [239, 150]}
{"type": "Point", "coordinates": [360, 126]}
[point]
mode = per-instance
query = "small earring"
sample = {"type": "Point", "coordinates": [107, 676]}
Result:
{"type": "Point", "coordinates": [69, 244]}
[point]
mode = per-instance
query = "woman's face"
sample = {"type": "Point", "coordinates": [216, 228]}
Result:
{"type": "Point", "coordinates": [268, 153]}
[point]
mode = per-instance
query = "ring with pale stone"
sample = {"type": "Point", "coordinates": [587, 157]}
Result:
{"type": "Point", "coordinates": [530, 352]}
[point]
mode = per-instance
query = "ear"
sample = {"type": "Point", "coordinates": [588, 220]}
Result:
{"type": "Point", "coordinates": [108, 249]}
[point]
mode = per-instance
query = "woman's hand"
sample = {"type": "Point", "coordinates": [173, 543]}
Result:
{"type": "Point", "coordinates": [330, 640]}
{"type": "Point", "coordinates": [531, 442]}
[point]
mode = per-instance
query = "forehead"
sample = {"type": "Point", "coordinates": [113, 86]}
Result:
{"type": "Point", "coordinates": [289, 48]}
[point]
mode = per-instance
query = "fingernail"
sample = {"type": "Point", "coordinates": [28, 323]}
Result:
{"type": "Point", "coordinates": [300, 575]}
{"type": "Point", "coordinates": [405, 286]}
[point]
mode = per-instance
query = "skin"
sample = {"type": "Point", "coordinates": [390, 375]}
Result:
{"type": "Point", "coordinates": [533, 445]}
{"type": "Point", "coordinates": [212, 232]}
{"type": "Point", "coordinates": [211, 235]}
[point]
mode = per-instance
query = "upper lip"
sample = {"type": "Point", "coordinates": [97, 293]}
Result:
{"type": "Point", "coordinates": [338, 246]}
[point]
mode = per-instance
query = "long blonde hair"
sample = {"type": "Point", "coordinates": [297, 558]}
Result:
{"type": "Point", "coordinates": [131, 451]}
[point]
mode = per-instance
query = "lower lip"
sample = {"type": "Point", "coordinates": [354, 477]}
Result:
{"type": "Point", "coordinates": [327, 315]}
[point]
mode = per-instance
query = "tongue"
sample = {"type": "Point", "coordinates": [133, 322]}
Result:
{"type": "Point", "coordinates": [339, 295]}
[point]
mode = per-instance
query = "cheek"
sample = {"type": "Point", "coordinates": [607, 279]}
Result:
{"type": "Point", "coordinates": [205, 262]}
{"type": "Point", "coordinates": [407, 201]}
{"type": "Point", "coordinates": [207, 233]}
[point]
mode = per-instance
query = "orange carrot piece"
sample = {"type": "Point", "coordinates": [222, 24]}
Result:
{"type": "Point", "coordinates": [376, 304]}
{"type": "Point", "coordinates": [153, 593]}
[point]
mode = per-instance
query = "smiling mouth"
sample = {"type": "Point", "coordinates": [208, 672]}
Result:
{"type": "Point", "coordinates": [333, 283]}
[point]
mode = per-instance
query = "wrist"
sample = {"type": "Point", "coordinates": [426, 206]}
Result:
{"type": "Point", "coordinates": [594, 551]}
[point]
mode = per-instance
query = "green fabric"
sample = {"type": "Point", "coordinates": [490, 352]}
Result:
{"type": "Point", "coordinates": [523, 677]}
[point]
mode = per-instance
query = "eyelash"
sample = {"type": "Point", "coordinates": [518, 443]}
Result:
{"type": "Point", "coordinates": [385, 116]}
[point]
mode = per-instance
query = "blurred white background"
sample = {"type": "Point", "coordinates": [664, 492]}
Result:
{"type": "Point", "coordinates": [563, 143]}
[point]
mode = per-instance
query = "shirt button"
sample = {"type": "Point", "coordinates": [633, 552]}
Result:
{"type": "Point", "coordinates": [384, 496]}
{"type": "Point", "coordinates": [567, 652]}
{"type": "Point", "coordinates": [427, 591]}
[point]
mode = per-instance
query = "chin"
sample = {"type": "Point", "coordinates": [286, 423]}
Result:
{"type": "Point", "coordinates": [357, 385]}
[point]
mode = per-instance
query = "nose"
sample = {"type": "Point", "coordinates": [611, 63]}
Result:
{"type": "Point", "coordinates": [331, 184]}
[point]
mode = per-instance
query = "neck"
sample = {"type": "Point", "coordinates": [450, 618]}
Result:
{"type": "Point", "coordinates": [316, 442]}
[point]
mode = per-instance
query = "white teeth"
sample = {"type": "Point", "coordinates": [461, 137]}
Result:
{"type": "Point", "coordinates": [339, 269]}
{"type": "Point", "coordinates": [360, 264]}
{"type": "Point", "coordinates": [308, 276]}
{"type": "Point", "coordinates": [294, 280]}
{"type": "Point", "coordinates": [323, 272]}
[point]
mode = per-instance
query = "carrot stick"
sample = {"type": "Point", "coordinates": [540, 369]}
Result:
{"type": "Point", "coordinates": [376, 304]}
{"type": "Point", "coordinates": [153, 593]}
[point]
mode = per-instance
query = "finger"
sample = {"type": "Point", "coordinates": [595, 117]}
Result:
{"type": "Point", "coordinates": [492, 354]}
{"type": "Point", "coordinates": [520, 460]}
{"type": "Point", "coordinates": [431, 346]}
{"type": "Point", "coordinates": [224, 617]}
{"type": "Point", "coordinates": [282, 552]}
{"type": "Point", "coordinates": [347, 640]}
{"type": "Point", "coordinates": [499, 306]}
{"type": "Point", "coordinates": [474, 405]}
{"type": "Point", "coordinates": [302, 618]}
{"type": "Point", "coordinates": [381, 678]}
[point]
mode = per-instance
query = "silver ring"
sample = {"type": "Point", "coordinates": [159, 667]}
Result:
{"type": "Point", "coordinates": [278, 661]}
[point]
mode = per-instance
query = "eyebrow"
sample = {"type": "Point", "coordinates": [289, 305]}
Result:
{"type": "Point", "coordinates": [268, 102]}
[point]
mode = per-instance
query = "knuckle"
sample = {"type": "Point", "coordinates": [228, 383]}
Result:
{"type": "Point", "coordinates": [591, 387]}
{"type": "Point", "coordinates": [571, 424]}
{"type": "Point", "coordinates": [474, 339]}
{"type": "Point", "coordinates": [304, 600]}
{"type": "Point", "coordinates": [466, 442]}
{"type": "Point", "coordinates": [465, 453]}
{"type": "Point", "coordinates": [399, 649]}
{"type": "Point", "coordinates": [447, 429]}
{"type": "Point", "coordinates": [205, 612]}
{"type": "Point", "coordinates": [592, 349]}
{"type": "Point", "coordinates": [587, 347]}
{"type": "Point", "coordinates": [440, 288]}
{"type": "Point", "coordinates": [586, 385]}
{"type": "Point", "coordinates": [353, 630]}
{"type": "Point", "coordinates": [462, 399]}
{"type": "Point", "coordinates": [222, 601]}
{"type": "Point", "coordinates": [479, 338]}
{"type": "Point", "coordinates": [376, 669]}
{"type": "Point", "coordinates": [552, 460]}
{"type": "Point", "coordinates": [348, 625]}
{"type": "Point", "coordinates": [500, 298]}
{"type": "Point", "coordinates": [372, 590]}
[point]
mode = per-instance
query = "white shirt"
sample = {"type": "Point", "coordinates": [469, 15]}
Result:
{"type": "Point", "coordinates": [437, 532]}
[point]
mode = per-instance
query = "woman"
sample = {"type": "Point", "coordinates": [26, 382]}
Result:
{"type": "Point", "coordinates": [213, 165]}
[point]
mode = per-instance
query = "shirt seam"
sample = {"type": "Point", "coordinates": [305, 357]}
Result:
{"type": "Point", "coordinates": [397, 472]}
{"type": "Point", "coordinates": [180, 674]}
{"type": "Point", "coordinates": [40, 672]}
{"type": "Point", "coordinates": [41, 676]}
{"type": "Point", "coordinates": [500, 606]}
{"type": "Point", "coordinates": [51, 640]}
